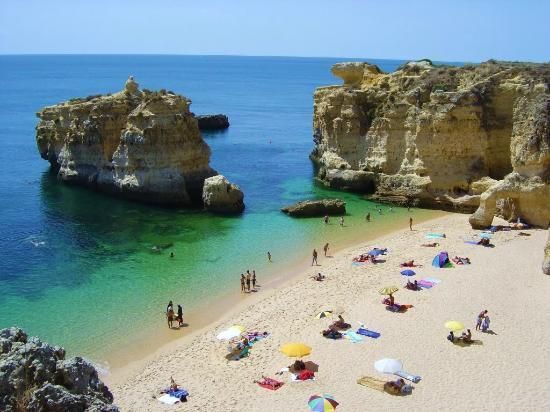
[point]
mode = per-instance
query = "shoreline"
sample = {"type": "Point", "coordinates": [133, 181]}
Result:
{"type": "Point", "coordinates": [124, 362]}
{"type": "Point", "coordinates": [417, 337]}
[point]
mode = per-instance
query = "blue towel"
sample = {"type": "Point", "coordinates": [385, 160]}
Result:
{"type": "Point", "coordinates": [369, 333]}
{"type": "Point", "coordinates": [180, 393]}
{"type": "Point", "coordinates": [408, 376]}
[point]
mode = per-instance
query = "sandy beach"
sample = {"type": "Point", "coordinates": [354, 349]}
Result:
{"type": "Point", "coordinates": [506, 371]}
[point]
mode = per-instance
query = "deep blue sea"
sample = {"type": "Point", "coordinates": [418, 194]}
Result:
{"type": "Point", "coordinates": [76, 267]}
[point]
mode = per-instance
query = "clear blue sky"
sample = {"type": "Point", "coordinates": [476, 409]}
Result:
{"type": "Point", "coordinates": [451, 30]}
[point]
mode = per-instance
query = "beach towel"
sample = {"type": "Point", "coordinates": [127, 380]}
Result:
{"type": "Point", "coordinates": [270, 383]}
{"type": "Point", "coordinates": [425, 284]}
{"type": "Point", "coordinates": [471, 242]}
{"type": "Point", "coordinates": [369, 333]}
{"type": "Point", "coordinates": [372, 383]}
{"type": "Point", "coordinates": [168, 400]}
{"type": "Point", "coordinates": [353, 337]}
{"type": "Point", "coordinates": [297, 378]}
{"type": "Point", "coordinates": [435, 281]}
{"type": "Point", "coordinates": [408, 376]}
{"type": "Point", "coordinates": [435, 236]}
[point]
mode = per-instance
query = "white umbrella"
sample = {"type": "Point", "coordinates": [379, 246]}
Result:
{"type": "Point", "coordinates": [387, 365]}
{"type": "Point", "coordinates": [229, 334]}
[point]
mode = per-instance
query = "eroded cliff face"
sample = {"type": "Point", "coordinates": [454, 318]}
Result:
{"type": "Point", "coordinates": [439, 136]}
{"type": "Point", "coordinates": [138, 144]}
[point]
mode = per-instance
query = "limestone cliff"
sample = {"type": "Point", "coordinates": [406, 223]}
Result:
{"type": "Point", "coordinates": [138, 144]}
{"type": "Point", "coordinates": [439, 136]}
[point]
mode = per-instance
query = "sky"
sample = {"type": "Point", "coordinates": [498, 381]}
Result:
{"type": "Point", "coordinates": [443, 30]}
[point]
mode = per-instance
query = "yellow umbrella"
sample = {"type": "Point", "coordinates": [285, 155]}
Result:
{"type": "Point", "coordinates": [295, 349]}
{"type": "Point", "coordinates": [388, 290]}
{"type": "Point", "coordinates": [454, 325]}
{"type": "Point", "coordinates": [238, 327]}
{"type": "Point", "coordinates": [324, 314]}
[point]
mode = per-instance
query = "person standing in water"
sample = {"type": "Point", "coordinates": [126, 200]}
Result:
{"type": "Point", "coordinates": [325, 249]}
{"type": "Point", "coordinates": [170, 315]}
{"type": "Point", "coordinates": [268, 256]}
{"type": "Point", "coordinates": [326, 219]}
{"type": "Point", "coordinates": [254, 279]}
{"type": "Point", "coordinates": [180, 316]}
{"type": "Point", "coordinates": [368, 217]}
{"type": "Point", "coordinates": [314, 260]}
{"type": "Point", "coordinates": [410, 223]}
{"type": "Point", "coordinates": [342, 221]}
{"type": "Point", "coordinates": [169, 306]}
{"type": "Point", "coordinates": [248, 280]}
{"type": "Point", "coordinates": [242, 283]}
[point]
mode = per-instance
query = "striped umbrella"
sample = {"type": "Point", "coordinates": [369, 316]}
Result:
{"type": "Point", "coordinates": [324, 314]}
{"type": "Point", "coordinates": [324, 403]}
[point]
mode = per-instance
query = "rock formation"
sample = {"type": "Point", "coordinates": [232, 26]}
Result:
{"type": "Point", "coordinates": [221, 196]}
{"type": "Point", "coordinates": [138, 144]}
{"type": "Point", "coordinates": [455, 138]}
{"type": "Point", "coordinates": [213, 122]}
{"type": "Point", "coordinates": [35, 376]}
{"type": "Point", "coordinates": [311, 208]}
{"type": "Point", "coordinates": [546, 261]}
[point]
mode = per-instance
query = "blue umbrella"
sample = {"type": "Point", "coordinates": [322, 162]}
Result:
{"type": "Point", "coordinates": [408, 272]}
{"type": "Point", "coordinates": [376, 252]}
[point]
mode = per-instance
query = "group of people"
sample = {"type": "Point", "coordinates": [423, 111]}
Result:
{"type": "Point", "coordinates": [483, 321]}
{"type": "Point", "coordinates": [247, 281]}
{"type": "Point", "coordinates": [171, 316]}
{"type": "Point", "coordinates": [326, 219]}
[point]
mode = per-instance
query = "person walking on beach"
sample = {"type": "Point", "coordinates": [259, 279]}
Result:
{"type": "Point", "coordinates": [342, 221]}
{"type": "Point", "coordinates": [254, 279]}
{"type": "Point", "coordinates": [314, 260]}
{"type": "Point", "coordinates": [368, 217]}
{"type": "Point", "coordinates": [480, 318]}
{"type": "Point", "coordinates": [170, 315]}
{"type": "Point", "coordinates": [325, 249]}
{"type": "Point", "coordinates": [410, 223]}
{"type": "Point", "coordinates": [180, 316]}
{"type": "Point", "coordinates": [268, 256]}
{"type": "Point", "coordinates": [242, 283]}
{"type": "Point", "coordinates": [248, 281]}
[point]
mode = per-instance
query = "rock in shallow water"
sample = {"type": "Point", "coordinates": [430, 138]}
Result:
{"type": "Point", "coordinates": [34, 376]}
{"type": "Point", "coordinates": [221, 196]}
{"type": "Point", "coordinates": [213, 121]}
{"type": "Point", "coordinates": [312, 208]}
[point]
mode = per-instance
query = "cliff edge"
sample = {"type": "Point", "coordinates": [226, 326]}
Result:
{"type": "Point", "coordinates": [471, 138]}
{"type": "Point", "coordinates": [138, 144]}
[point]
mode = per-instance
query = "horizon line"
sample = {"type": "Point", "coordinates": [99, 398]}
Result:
{"type": "Point", "coordinates": [237, 55]}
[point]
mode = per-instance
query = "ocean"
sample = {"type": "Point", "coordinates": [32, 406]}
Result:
{"type": "Point", "coordinates": [77, 268]}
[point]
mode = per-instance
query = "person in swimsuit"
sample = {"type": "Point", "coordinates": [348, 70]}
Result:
{"type": "Point", "coordinates": [325, 249]}
{"type": "Point", "coordinates": [180, 316]}
{"type": "Point", "coordinates": [314, 258]}
{"type": "Point", "coordinates": [254, 279]}
{"type": "Point", "coordinates": [248, 281]}
{"type": "Point", "coordinates": [410, 223]}
{"type": "Point", "coordinates": [170, 316]}
{"type": "Point", "coordinates": [242, 283]}
{"type": "Point", "coordinates": [169, 306]}
{"type": "Point", "coordinates": [326, 219]}
{"type": "Point", "coordinates": [368, 217]}
{"type": "Point", "coordinates": [269, 256]}
{"type": "Point", "coordinates": [342, 221]}
{"type": "Point", "coordinates": [480, 318]}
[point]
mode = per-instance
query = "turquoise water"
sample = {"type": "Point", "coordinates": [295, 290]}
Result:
{"type": "Point", "coordinates": [76, 267]}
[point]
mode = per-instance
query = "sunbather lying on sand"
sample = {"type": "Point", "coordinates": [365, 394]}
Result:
{"type": "Point", "coordinates": [434, 244]}
{"type": "Point", "coordinates": [340, 324]}
{"type": "Point", "coordinates": [461, 260]}
{"type": "Point", "coordinates": [484, 242]}
{"type": "Point", "coordinates": [409, 264]}
{"type": "Point", "coordinates": [412, 285]}
{"type": "Point", "coordinates": [331, 334]}
{"type": "Point", "coordinates": [269, 383]}
{"type": "Point", "coordinates": [397, 387]}
{"type": "Point", "coordinates": [318, 277]}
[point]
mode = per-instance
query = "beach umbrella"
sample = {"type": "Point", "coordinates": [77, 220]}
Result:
{"type": "Point", "coordinates": [375, 252]}
{"type": "Point", "coordinates": [231, 332]}
{"type": "Point", "coordinates": [388, 365]}
{"type": "Point", "coordinates": [295, 349]}
{"type": "Point", "coordinates": [324, 403]}
{"type": "Point", "coordinates": [408, 272]}
{"type": "Point", "coordinates": [324, 314]}
{"type": "Point", "coordinates": [388, 290]}
{"type": "Point", "coordinates": [454, 325]}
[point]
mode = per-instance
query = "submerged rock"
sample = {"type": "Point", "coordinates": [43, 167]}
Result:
{"type": "Point", "coordinates": [439, 136]}
{"type": "Point", "coordinates": [213, 122]}
{"type": "Point", "coordinates": [138, 144]}
{"type": "Point", "coordinates": [221, 196]}
{"type": "Point", "coordinates": [311, 208]}
{"type": "Point", "coordinates": [35, 376]}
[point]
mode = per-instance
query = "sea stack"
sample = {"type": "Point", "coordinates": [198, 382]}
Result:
{"type": "Point", "coordinates": [466, 138]}
{"type": "Point", "coordinates": [138, 144]}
